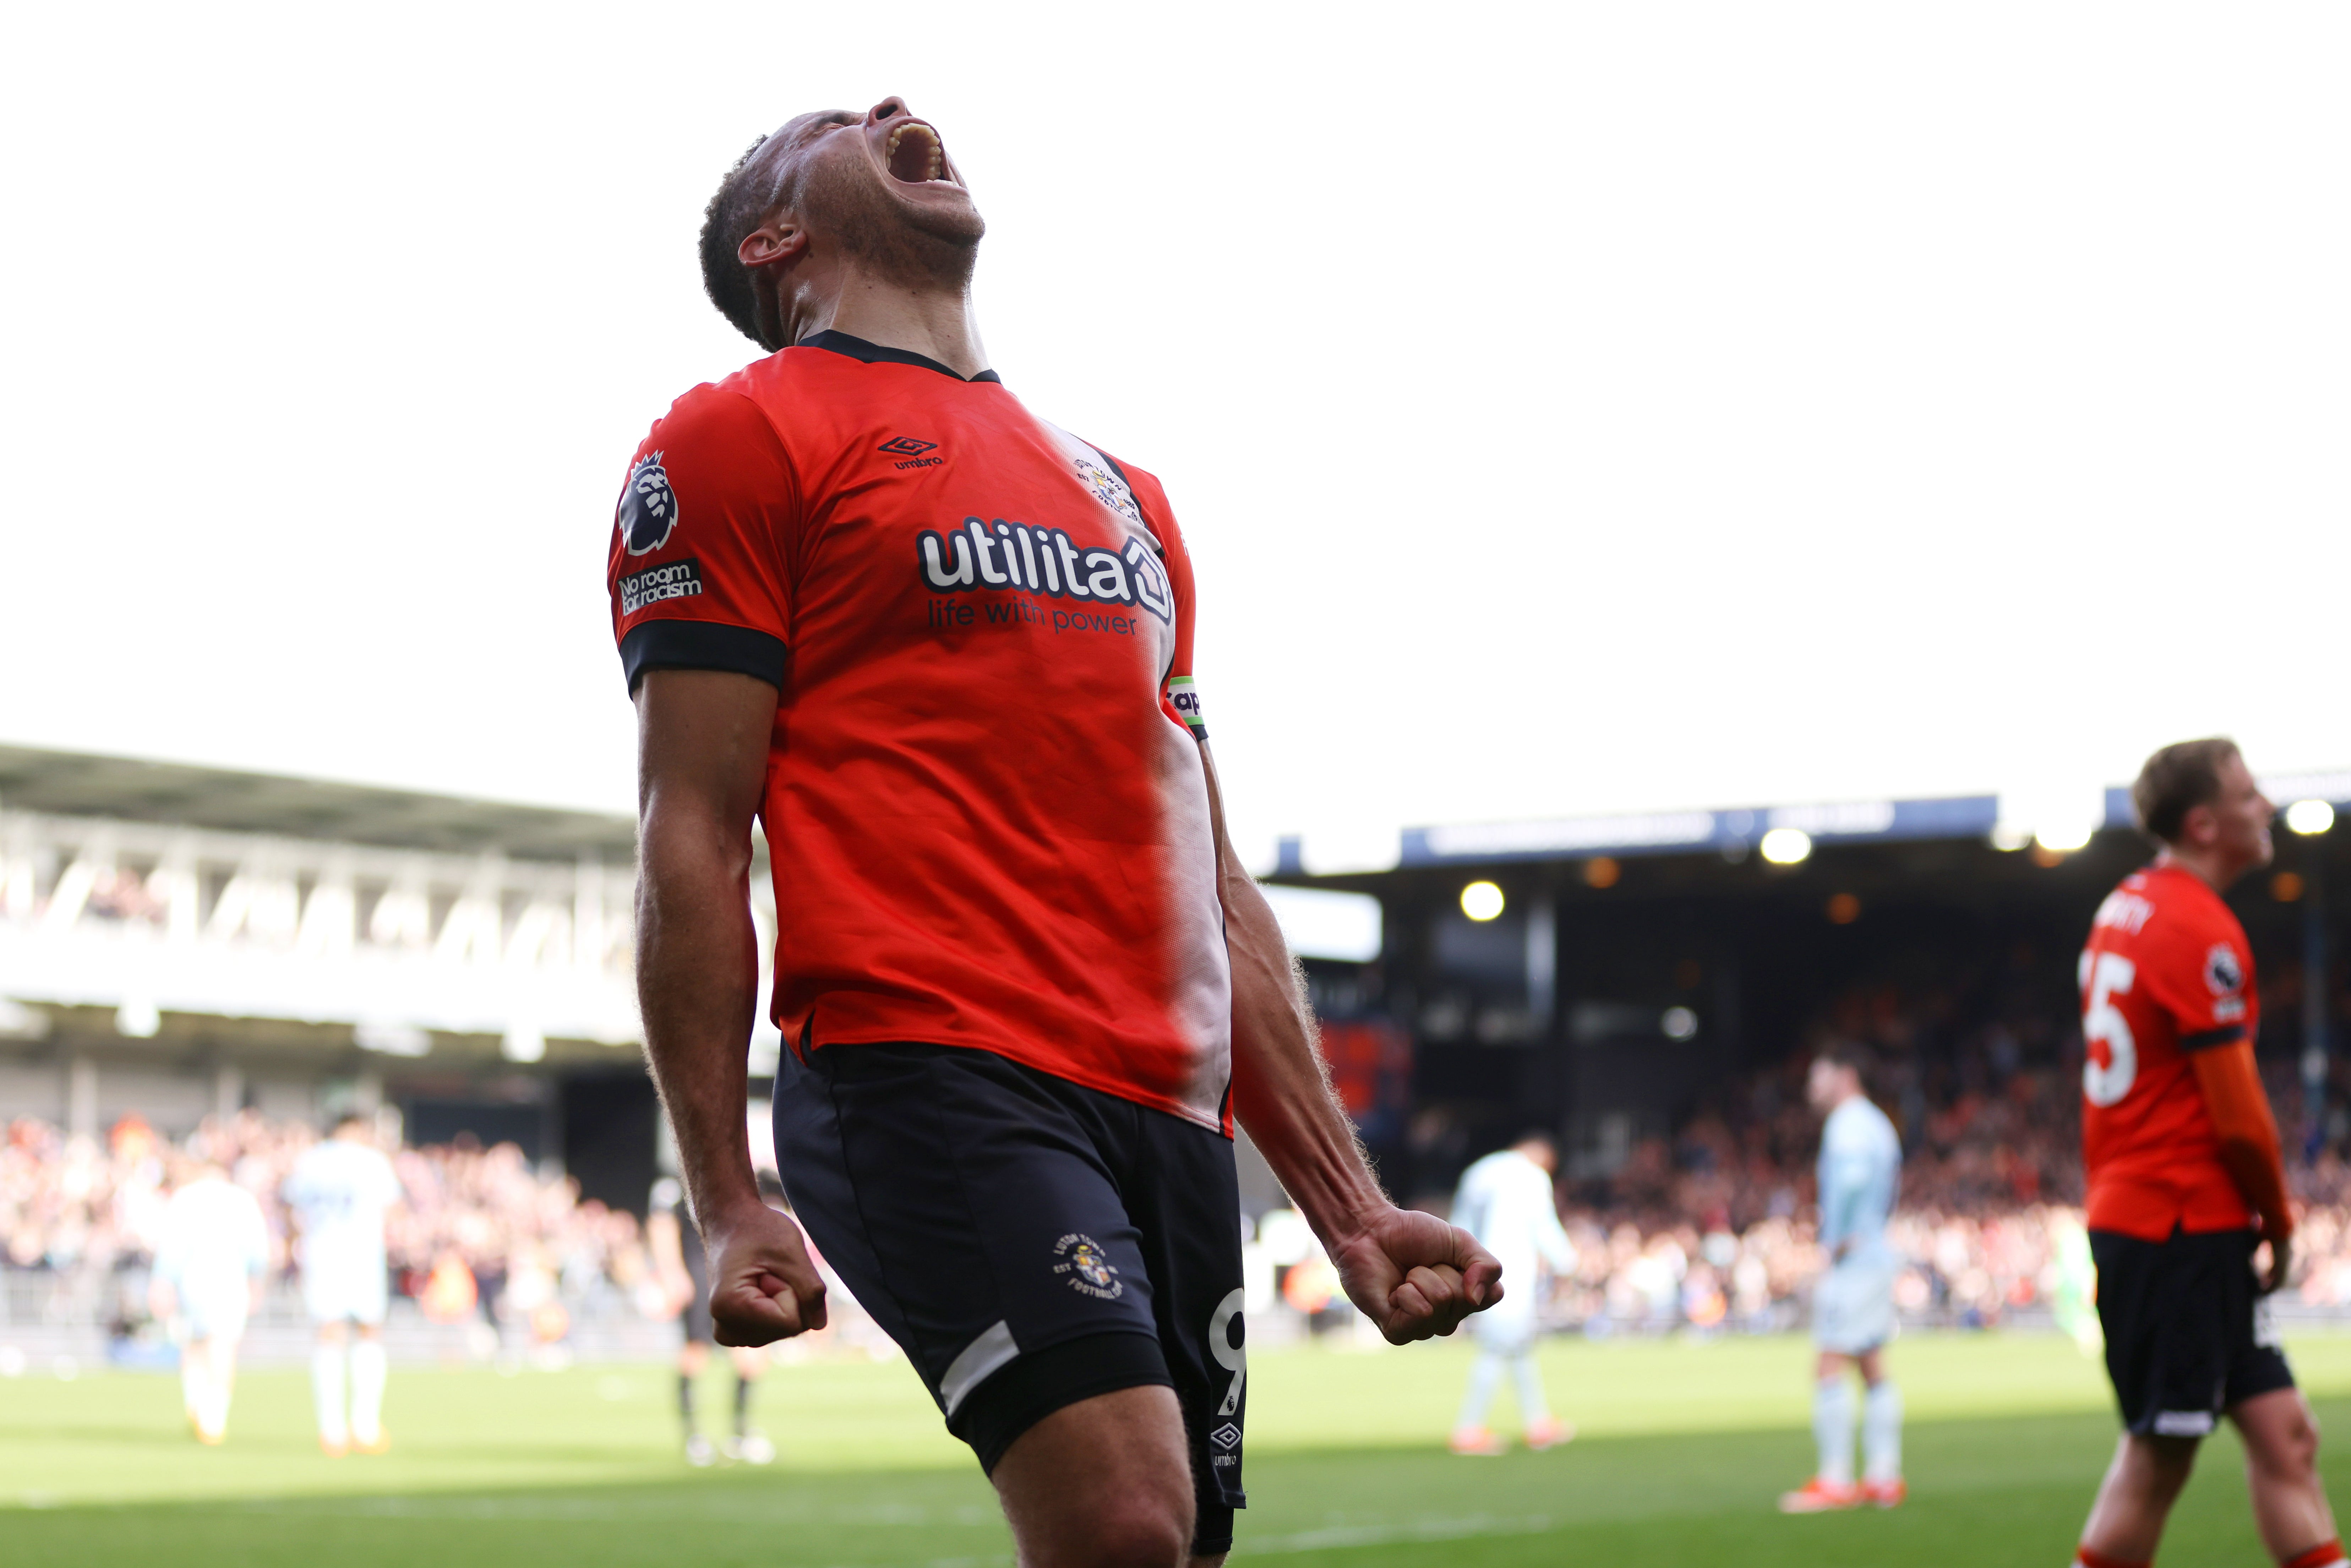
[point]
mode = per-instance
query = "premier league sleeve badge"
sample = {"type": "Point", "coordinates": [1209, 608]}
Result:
{"type": "Point", "coordinates": [647, 513]}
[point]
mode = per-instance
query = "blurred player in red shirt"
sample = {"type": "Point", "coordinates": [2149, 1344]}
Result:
{"type": "Point", "coordinates": [2186, 1182]}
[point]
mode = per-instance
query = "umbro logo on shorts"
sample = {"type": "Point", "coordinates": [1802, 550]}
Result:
{"type": "Point", "coordinates": [911, 450]}
{"type": "Point", "coordinates": [1226, 1436]}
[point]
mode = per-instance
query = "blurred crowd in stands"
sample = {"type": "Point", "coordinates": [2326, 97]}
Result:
{"type": "Point", "coordinates": [1712, 1225]}
{"type": "Point", "coordinates": [480, 1229]}
{"type": "Point", "coordinates": [1707, 1230]}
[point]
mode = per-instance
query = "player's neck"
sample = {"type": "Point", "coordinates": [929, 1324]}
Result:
{"type": "Point", "coordinates": [936, 324]}
{"type": "Point", "coordinates": [2210, 867]}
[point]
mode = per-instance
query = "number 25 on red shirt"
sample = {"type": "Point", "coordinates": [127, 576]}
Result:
{"type": "Point", "coordinates": [2110, 976]}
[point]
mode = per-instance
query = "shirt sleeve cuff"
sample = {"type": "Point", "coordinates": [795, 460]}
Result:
{"type": "Point", "coordinates": [2228, 1034]}
{"type": "Point", "coordinates": [701, 645]}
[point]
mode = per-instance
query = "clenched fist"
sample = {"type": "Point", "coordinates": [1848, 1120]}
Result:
{"type": "Point", "coordinates": [1414, 1275]}
{"type": "Point", "coordinates": [762, 1286]}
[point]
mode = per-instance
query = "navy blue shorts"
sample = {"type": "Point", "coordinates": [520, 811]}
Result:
{"type": "Point", "coordinates": [2188, 1334]}
{"type": "Point", "coordinates": [1028, 1242]}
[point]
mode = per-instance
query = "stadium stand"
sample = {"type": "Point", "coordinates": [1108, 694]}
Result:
{"type": "Point", "coordinates": [1649, 987]}
{"type": "Point", "coordinates": [1635, 973]}
{"type": "Point", "coordinates": [199, 961]}
{"type": "Point", "coordinates": [182, 942]}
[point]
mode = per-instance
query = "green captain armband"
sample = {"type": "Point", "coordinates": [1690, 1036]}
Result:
{"type": "Point", "coordinates": [1180, 692]}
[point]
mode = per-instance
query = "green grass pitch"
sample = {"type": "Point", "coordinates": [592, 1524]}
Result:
{"type": "Point", "coordinates": [1684, 1447]}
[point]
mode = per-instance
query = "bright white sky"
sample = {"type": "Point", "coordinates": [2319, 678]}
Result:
{"type": "Point", "coordinates": [1573, 408]}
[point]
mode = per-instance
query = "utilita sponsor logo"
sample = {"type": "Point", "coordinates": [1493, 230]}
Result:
{"type": "Point", "coordinates": [911, 450]}
{"type": "Point", "coordinates": [673, 580]}
{"type": "Point", "coordinates": [983, 555]}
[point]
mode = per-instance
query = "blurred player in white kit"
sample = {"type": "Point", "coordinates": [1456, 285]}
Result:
{"type": "Point", "coordinates": [210, 1258]}
{"type": "Point", "coordinates": [340, 1191]}
{"type": "Point", "coordinates": [1852, 1306]}
{"type": "Point", "coordinates": [1505, 1202]}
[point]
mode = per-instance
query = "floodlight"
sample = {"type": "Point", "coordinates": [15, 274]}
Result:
{"type": "Point", "coordinates": [2062, 839]}
{"type": "Point", "coordinates": [2309, 818]}
{"type": "Point", "coordinates": [18, 1021]}
{"type": "Point", "coordinates": [523, 1042]}
{"type": "Point", "coordinates": [393, 1038]}
{"type": "Point", "coordinates": [1481, 901]}
{"type": "Point", "coordinates": [1787, 846]}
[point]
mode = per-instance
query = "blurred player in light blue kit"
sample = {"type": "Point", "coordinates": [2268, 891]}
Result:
{"type": "Point", "coordinates": [340, 1192]}
{"type": "Point", "coordinates": [210, 1256]}
{"type": "Point", "coordinates": [1852, 1306]}
{"type": "Point", "coordinates": [1505, 1202]}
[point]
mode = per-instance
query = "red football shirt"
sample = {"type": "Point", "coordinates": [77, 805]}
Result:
{"type": "Point", "coordinates": [986, 805]}
{"type": "Point", "coordinates": [2166, 972]}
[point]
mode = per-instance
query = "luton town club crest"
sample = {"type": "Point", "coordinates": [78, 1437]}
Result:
{"type": "Point", "coordinates": [1109, 489]}
{"type": "Point", "coordinates": [1088, 1268]}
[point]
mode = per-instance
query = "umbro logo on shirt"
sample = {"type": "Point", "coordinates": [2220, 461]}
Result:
{"type": "Point", "coordinates": [911, 449]}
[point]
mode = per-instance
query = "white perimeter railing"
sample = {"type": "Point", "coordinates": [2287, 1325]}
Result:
{"type": "Point", "coordinates": [147, 918]}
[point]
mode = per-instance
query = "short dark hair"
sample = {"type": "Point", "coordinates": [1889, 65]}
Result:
{"type": "Point", "coordinates": [742, 203]}
{"type": "Point", "coordinates": [2176, 780]}
{"type": "Point", "coordinates": [1844, 1053]}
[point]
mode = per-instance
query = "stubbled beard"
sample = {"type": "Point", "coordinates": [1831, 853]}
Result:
{"type": "Point", "coordinates": [918, 247]}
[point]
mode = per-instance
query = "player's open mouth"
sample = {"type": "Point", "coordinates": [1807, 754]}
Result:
{"type": "Point", "coordinates": [914, 155]}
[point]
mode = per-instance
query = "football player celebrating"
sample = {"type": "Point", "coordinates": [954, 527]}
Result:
{"type": "Point", "coordinates": [941, 650]}
{"type": "Point", "coordinates": [2186, 1182]}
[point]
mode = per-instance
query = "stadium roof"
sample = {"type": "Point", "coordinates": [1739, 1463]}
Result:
{"type": "Point", "coordinates": [85, 785]}
{"type": "Point", "coordinates": [1742, 829]}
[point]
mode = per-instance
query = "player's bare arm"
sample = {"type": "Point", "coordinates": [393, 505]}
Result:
{"type": "Point", "coordinates": [702, 738]}
{"type": "Point", "coordinates": [1412, 1273]}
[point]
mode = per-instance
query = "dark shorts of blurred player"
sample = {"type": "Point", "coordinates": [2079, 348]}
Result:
{"type": "Point", "coordinates": [1028, 1242]}
{"type": "Point", "coordinates": [748, 1444]}
{"type": "Point", "coordinates": [2189, 1334]}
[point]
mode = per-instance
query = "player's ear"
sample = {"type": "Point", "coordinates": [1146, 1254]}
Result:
{"type": "Point", "coordinates": [777, 240]}
{"type": "Point", "coordinates": [767, 253]}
